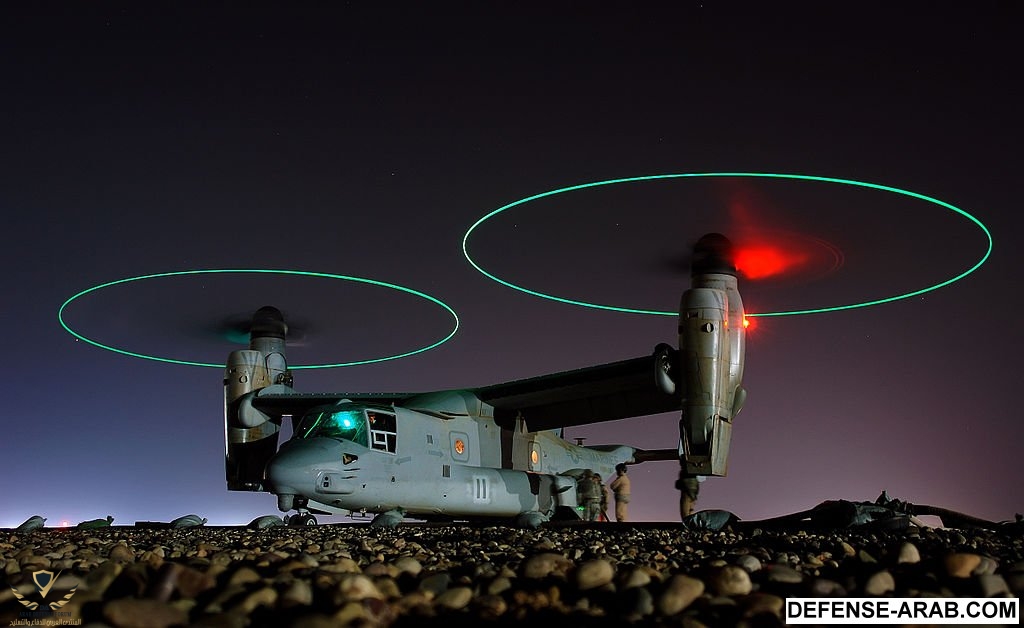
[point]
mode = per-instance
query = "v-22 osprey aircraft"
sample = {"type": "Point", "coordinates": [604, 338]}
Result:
{"type": "Point", "coordinates": [494, 452]}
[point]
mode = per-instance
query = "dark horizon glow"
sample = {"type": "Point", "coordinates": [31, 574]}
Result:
{"type": "Point", "coordinates": [60, 314]}
{"type": "Point", "coordinates": [804, 177]}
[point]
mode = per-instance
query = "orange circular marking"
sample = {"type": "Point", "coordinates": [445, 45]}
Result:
{"type": "Point", "coordinates": [534, 457]}
{"type": "Point", "coordinates": [460, 446]}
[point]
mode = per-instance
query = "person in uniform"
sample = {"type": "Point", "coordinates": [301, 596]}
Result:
{"type": "Point", "coordinates": [620, 489]}
{"type": "Point", "coordinates": [602, 491]}
{"type": "Point", "coordinates": [689, 489]}
{"type": "Point", "coordinates": [590, 496]}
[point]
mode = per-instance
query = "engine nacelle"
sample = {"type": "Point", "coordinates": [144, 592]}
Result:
{"type": "Point", "coordinates": [251, 436]}
{"type": "Point", "coordinates": [711, 345]}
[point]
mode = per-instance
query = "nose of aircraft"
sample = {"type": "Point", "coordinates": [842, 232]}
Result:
{"type": "Point", "coordinates": [292, 471]}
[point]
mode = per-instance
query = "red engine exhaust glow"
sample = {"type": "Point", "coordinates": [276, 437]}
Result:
{"type": "Point", "coordinates": [758, 261]}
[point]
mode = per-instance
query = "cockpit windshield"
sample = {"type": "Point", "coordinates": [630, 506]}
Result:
{"type": "Point", "coordinates": [367, 426]}
{"type": "Point", "coordinates": [344, 422]}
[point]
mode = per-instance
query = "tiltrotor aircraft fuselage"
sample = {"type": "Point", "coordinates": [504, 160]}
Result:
{"type": "Point", "coordinates": [494, 451]}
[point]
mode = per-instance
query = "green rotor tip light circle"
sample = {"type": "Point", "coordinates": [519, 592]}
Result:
{"type": "Point", "coordinates": [60, 314]}
{"type": "Point", "coordinates": [763, 175]}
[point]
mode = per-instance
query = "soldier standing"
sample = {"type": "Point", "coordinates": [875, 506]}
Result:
{"type": "Point", "coordinates": [590, 496]}
{"type": "Point", "coordinates": [602, 491]}
{"type": "Point", "coordinates": [620, 489]}
{"type": "Point", "coordinates": [689, 488]}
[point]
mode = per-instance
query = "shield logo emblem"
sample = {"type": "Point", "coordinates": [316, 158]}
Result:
{"type": "Point", "coordinates": [44, 581]}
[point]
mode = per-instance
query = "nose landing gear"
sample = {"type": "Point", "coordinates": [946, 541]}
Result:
{"type": "Point", "coordinates": [301, 519]}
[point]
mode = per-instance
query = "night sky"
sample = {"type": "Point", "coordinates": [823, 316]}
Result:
{"type": "Point", "coordinates": [365, 139]}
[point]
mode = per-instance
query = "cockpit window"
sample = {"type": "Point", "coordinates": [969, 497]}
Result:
{"type": "Point", "coordinates": [383, 430]}
{"type": "Point", "coordinates": [344, 423]}
{"type": "Point", "coordinates": [369, 427]}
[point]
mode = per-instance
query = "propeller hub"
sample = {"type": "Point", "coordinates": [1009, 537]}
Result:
{"type": "Point", "coordinates": [268, 322]}
{"type": "Point", "coordinates": [713, 253]}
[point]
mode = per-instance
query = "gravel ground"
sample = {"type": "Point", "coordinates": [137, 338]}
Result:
{"type": "Point", "coordinates": [604, 574]}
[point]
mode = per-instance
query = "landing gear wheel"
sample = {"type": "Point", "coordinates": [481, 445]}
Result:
{"type": "Point", "coordinates": [301, 519]}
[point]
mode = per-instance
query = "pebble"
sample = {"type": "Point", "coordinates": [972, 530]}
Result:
{"type": "Point", "coordinates": [758, 603]}
{"type": "Point", "coordinates": [634, 577]}
{"type": "Point", "coordinates": [908, 553]}
{"type": "Point", "coordinates": [594, 573]}
{"type": "Point", "coordinates": [409, 565]}
{"type": "Point", "coordinates": [748, 562]}
{"type": "Point", "coordinates": [636, 603]}
{"type": "Point", "coordinates": [681, 591]}
{"type": "Point", "coordinates": [546, 564]}
{"type": "Point", "coordinates": [1015, 581]}
{"type": "Point", "coordinates": [987, 566]}
{"type": "Point", "coordinates": [455, 598]}
{"type": "Point", "coordinates": [357, 587]}
{"type": "Point", "coordinates": [960, 565]}
{"type": "Point", "coordinates": [491, 606]}
{"type": "Point", "coordinates": [243, 576]}
{"type": "Point", "coordinates": [298, 593]}
{"type": "Point", "coordinates": [992, 585]}
{"type": "Point", "coordinates": [731, 580]}
{"type": "Point", "coordinates": [143, 613]}
{"type": "Point", "coordinates": [264, 596]}
{"type": "Point", "coordinates": [880, 583]}
{"type": "Point", "coordinates": [783, 573]}
{"type": "Point", "coordinates": [823, 587]}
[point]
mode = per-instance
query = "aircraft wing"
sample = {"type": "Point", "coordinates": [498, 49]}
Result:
{"type": "Point", "coordinates": [298, 403]}
{"type": "Point", "coordinates": [607, 392]}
